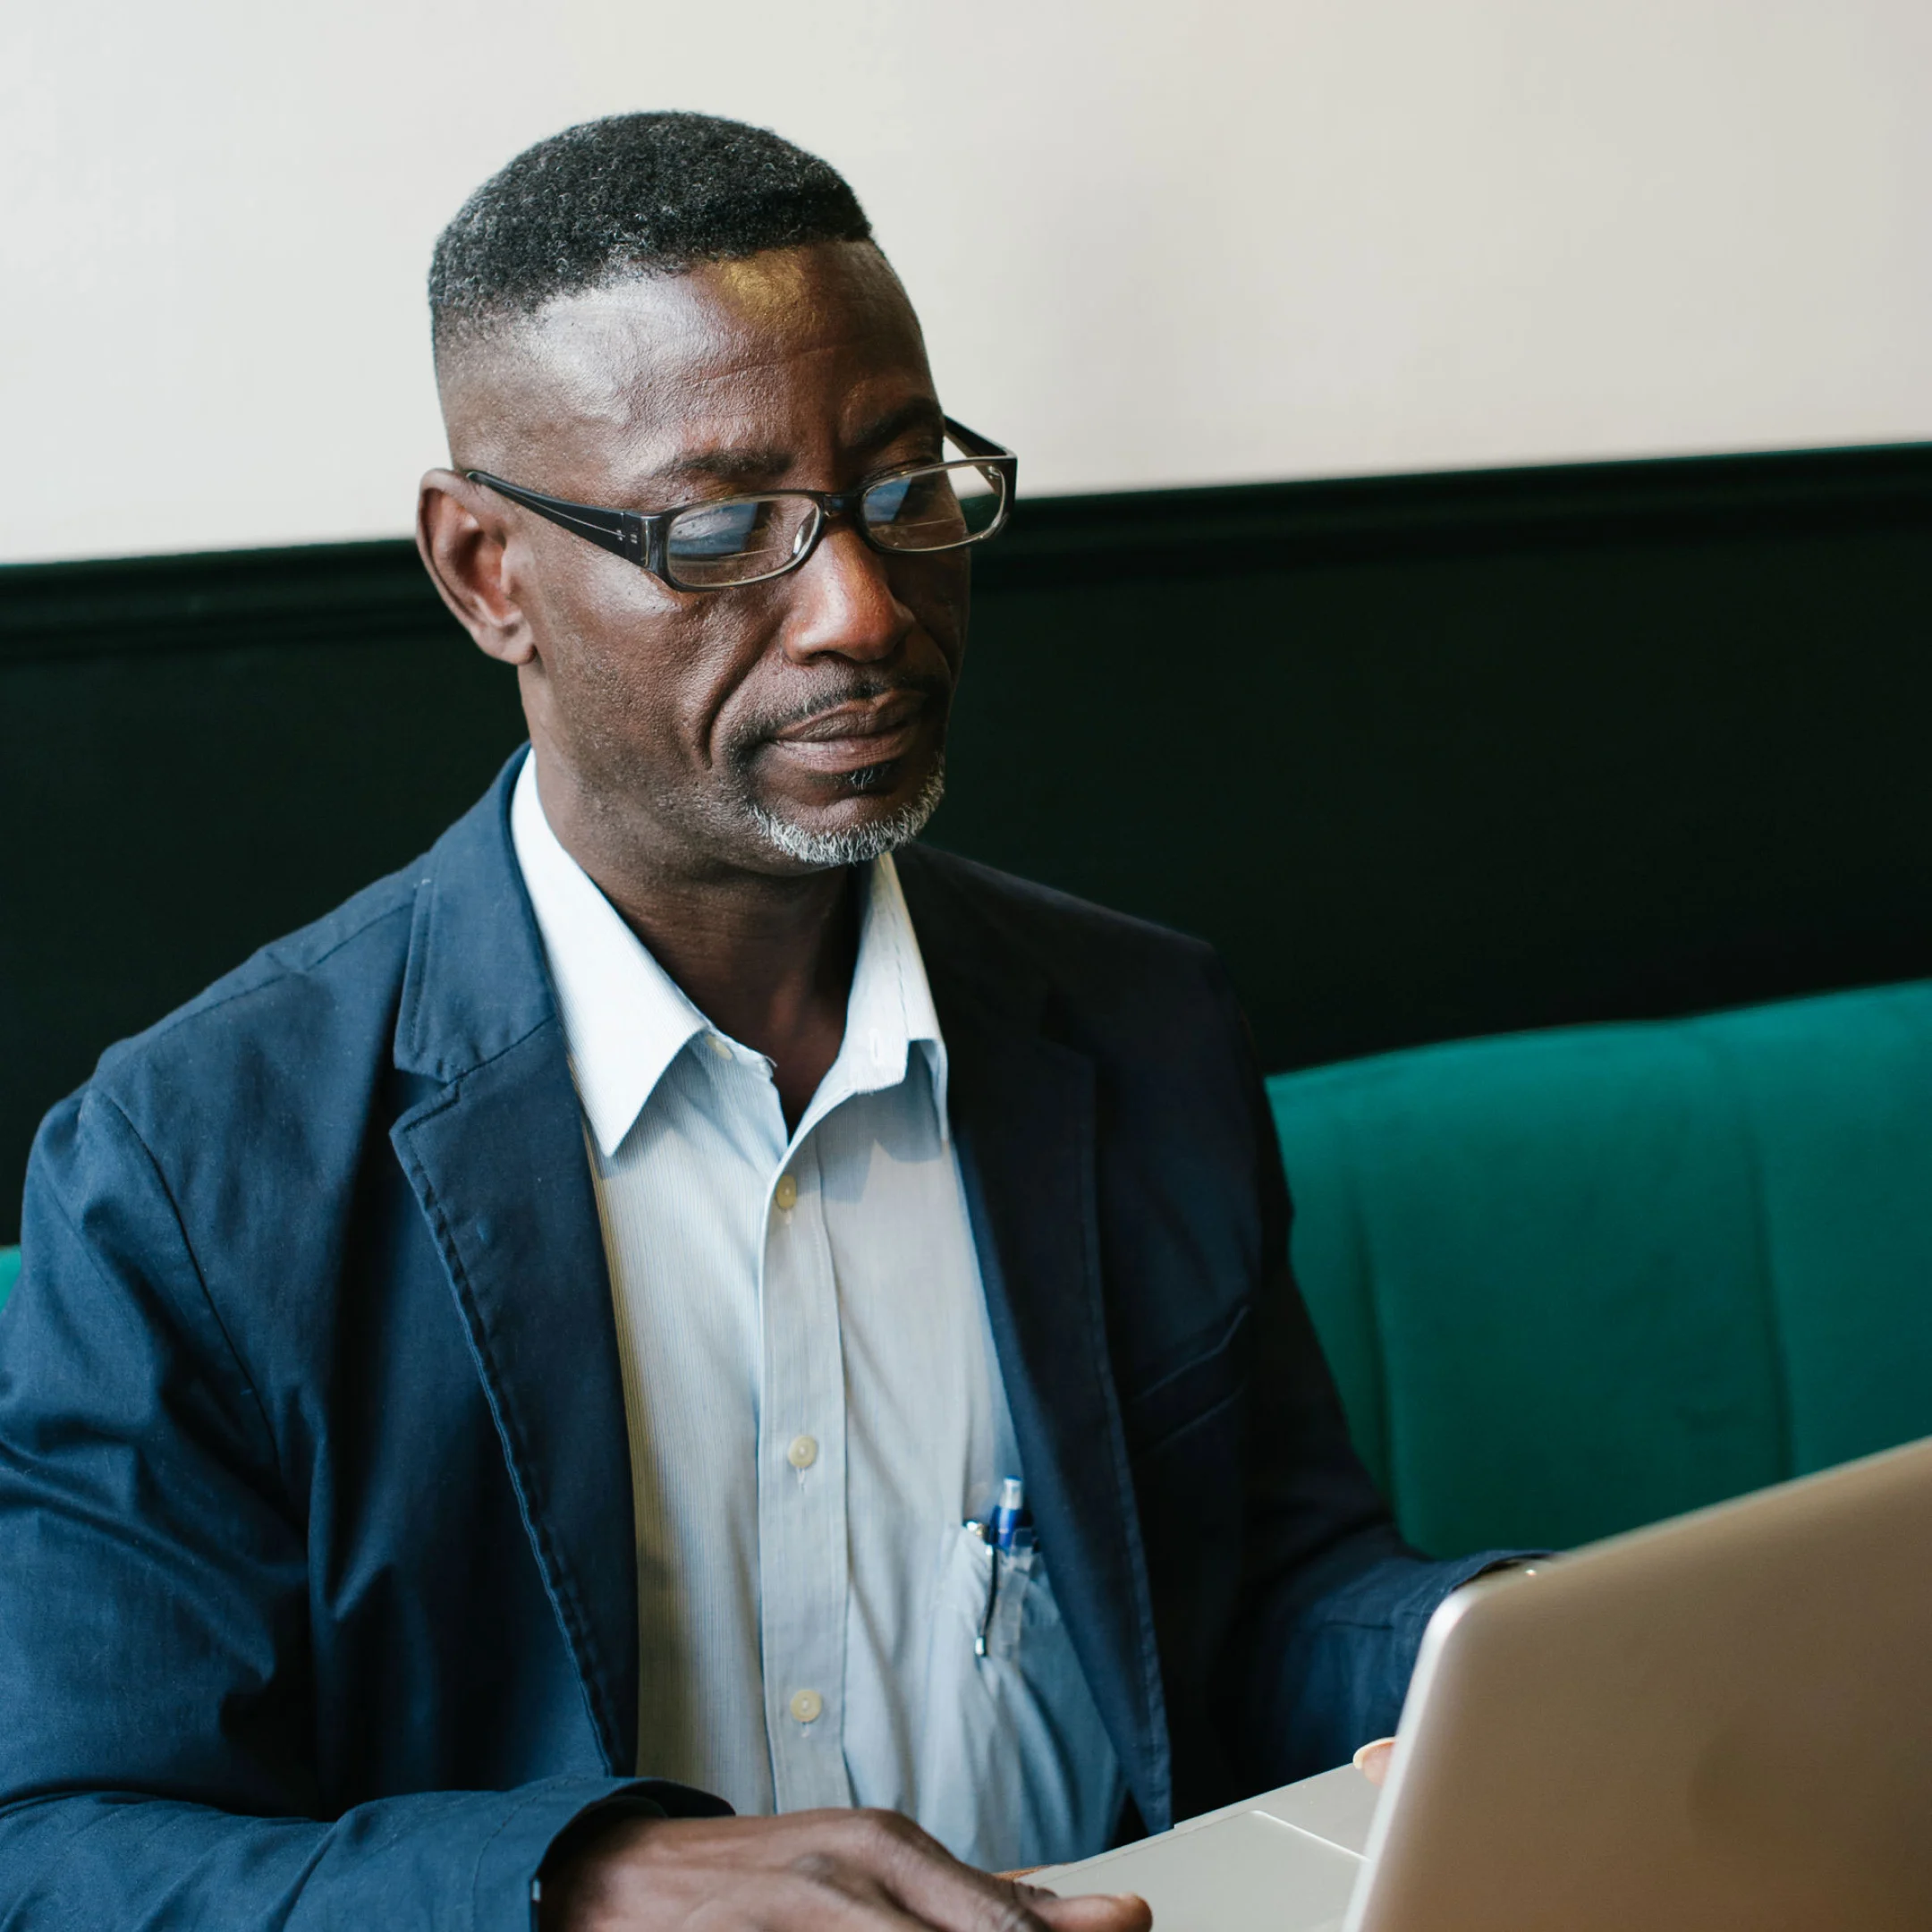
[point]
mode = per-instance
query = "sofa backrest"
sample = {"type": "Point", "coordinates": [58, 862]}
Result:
{"type": "Point", "coordinates": [1574, 1281]}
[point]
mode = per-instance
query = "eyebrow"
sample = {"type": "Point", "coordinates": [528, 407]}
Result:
{"type": "Point", "coordinates": [744, 464]}
{"type": "Point", "coordinates": [749, 464]}
{"type": "Point", "coordinates": [920, 413]}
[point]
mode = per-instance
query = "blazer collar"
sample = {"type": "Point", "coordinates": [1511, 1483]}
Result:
{"type": "Point", "coordinates": [496, 1156]}
{"type": "Point", "coordinates": [475, 985]}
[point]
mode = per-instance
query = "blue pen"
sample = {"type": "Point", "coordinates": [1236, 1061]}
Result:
{"type": "Point", "coordinates": [1006, 1516]}
{"type": "Point", "coordinates": [1002, 1534]}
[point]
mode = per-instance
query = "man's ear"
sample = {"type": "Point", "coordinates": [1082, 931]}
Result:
{"type": "Point", "coordinates": [460, 532]}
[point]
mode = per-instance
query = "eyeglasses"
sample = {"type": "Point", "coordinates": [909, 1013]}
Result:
{"type": "Point", "coordinates": [718, 546]}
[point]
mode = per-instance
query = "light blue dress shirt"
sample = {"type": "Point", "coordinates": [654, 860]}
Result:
{"type": "Point", "coordinates": [814, 1408]}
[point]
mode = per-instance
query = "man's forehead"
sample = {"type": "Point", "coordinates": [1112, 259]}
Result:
{"type": "Point", "coordinates": [701, 324]}
{"type": "Point", "coordinates": [719, 357]}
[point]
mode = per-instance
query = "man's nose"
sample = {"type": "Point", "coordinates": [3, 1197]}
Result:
{"type": "Point", "coordinates": [842, 604]}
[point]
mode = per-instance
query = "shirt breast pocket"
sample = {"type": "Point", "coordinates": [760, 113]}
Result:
{"type": "Point", "coordinates": [1012, 1739]}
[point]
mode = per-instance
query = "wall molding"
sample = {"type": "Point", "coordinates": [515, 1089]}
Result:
{"type": "Point", "coordinates": [315, 594]}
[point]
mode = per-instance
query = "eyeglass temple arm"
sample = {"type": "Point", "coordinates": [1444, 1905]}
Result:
{"type": "Point", "coordinates": [971, 441]}
{"type": "Point", "coordinates": [620, 531]}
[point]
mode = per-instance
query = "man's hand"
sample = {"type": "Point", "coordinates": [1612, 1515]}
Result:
{"type": "Point", "coordinates": [1372, 1760]}
{"type": "Point", "coordinates": [808, 1872]}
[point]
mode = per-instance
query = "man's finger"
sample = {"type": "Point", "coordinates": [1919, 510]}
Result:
{"type": "Point", "coordinates": [888, 1875]}
{"type": "Point", "coordinates": [811, 1901]}
{"type": "Point", "coordinates": [1095, 1911]}
{"type": "Point", "coordinates": [1372, 1760]}
{"type": "Point", "coordinates": [936, 1888]}
{"type": "Point", "coordinates": [933, 1885]}
{"type": "Point", "coordinates": [748, 1899]}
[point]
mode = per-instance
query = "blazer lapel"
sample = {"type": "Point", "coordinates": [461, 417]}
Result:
{"type": "Point", "coordinates": [495, 1157]}
{"type": "Point", "coordinates": [1023, 1109]}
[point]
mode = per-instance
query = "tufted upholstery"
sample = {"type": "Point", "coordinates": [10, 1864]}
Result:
{"type": "Point", "coordinates": [1574, 1281]}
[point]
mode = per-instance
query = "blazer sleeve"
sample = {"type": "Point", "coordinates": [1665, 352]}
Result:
{"type": "Point", "coordinates": [154, 1700]}
{"type": "Point", "coordinates": [1332, 1602]}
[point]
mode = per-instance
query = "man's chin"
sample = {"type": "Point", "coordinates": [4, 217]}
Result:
{"type": "Point", "coordinates": [861, 828]}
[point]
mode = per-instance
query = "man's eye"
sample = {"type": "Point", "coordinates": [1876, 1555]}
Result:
{"type": "Point", "coordinates": [725, 527]}
{"type": "Point", "coordinates": [884, 501]}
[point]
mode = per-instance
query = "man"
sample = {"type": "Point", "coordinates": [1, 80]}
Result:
{"type": "Point", "coordinates": [536, 1354]}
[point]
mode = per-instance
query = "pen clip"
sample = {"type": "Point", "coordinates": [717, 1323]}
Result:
{"type": "Point", "coordinates": [986, 1535]}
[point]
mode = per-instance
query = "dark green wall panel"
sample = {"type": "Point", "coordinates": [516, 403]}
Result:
{"type": "Point", "coordinates": [1454, 795]}
{"type": "Point", "coordinates": [1426, 757]}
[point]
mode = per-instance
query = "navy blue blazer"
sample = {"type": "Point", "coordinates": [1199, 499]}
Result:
{"type": "Point", "coordinates": [317, 1590]}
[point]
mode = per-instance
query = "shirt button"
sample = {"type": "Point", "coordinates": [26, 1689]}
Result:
{"type": "Point", "coordinates": [803, 1452]}
{"type": "Point", "coordinates": [786, 1193]}
{"type": "Point", "coordinates": [717, 1046]}
{"type": "Point", "coordinates": [807, 1706]}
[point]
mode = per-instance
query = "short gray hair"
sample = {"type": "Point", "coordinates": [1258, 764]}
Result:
{"type": "Point", "coordinates": [636, 194]}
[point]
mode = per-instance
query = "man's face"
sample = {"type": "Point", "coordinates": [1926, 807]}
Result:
{"type": "Point", "coordinates": [773, 727]}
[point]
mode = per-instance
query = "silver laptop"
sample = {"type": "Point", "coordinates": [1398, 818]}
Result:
{"type": "Point", "coordinates": [1724, 1721]}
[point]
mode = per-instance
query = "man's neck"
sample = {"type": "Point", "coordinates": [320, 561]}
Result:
{"type": "Point", "coordinates": [767, 959]}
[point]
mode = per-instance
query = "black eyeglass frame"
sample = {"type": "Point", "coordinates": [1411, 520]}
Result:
{"type": "Point", "coordinates": [642, 536]}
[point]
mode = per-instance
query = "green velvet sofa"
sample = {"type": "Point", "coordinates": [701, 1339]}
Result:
{"type": "Point", "coordinates": [1576, 1280]}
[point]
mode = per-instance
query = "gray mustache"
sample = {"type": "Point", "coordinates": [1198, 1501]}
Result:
{"type": "Point", "coordinates": [856, 691]}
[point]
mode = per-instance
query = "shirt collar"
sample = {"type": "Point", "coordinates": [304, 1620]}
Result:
{"type": "Point", "coordinates": [890, 1009]}
{"type": "Point", "coordinates": [625, 1019]}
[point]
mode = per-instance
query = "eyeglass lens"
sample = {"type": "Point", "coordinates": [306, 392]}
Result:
{"type": "Point", "coordinates": [740, 541]}
{"type": "Point", "coordinates": [934, 509]}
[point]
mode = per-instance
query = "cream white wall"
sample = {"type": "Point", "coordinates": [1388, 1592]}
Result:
{"type": "Point", "coordinates": [1153, 243]}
